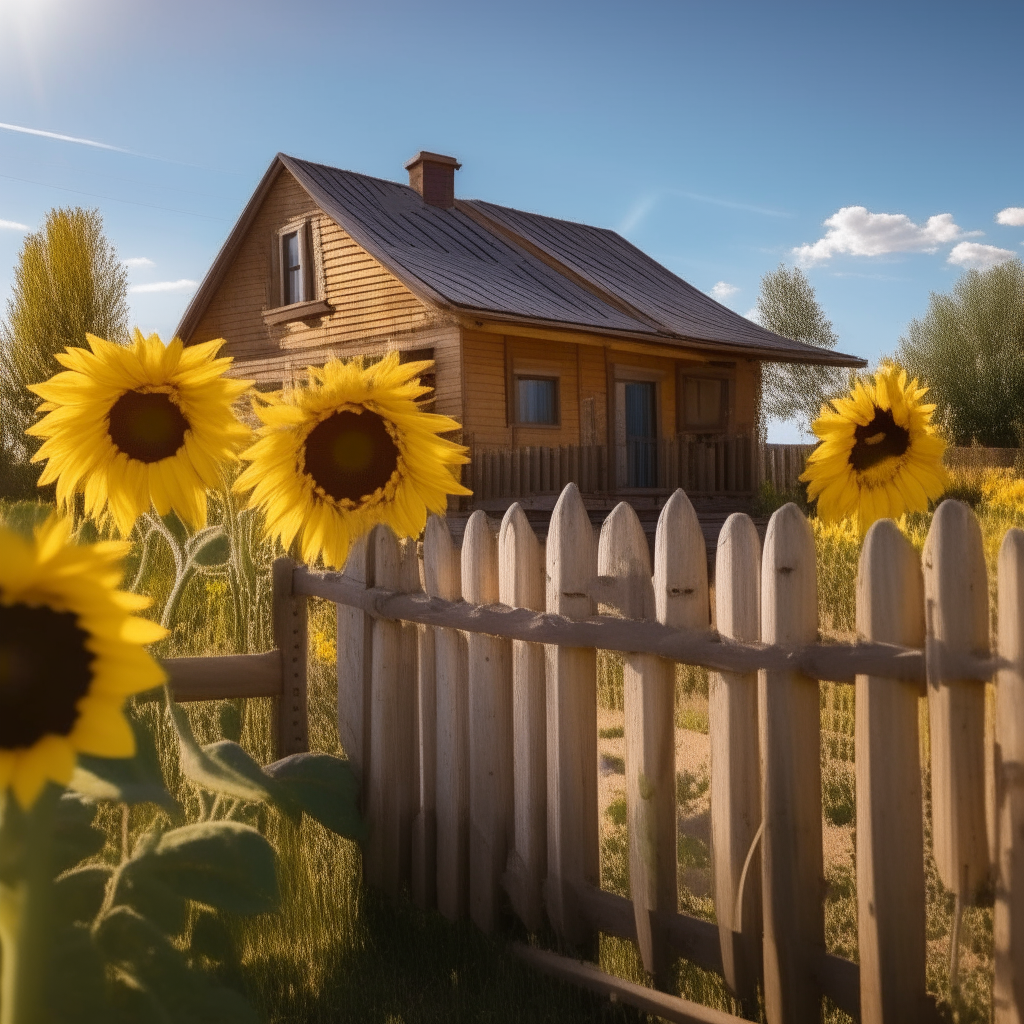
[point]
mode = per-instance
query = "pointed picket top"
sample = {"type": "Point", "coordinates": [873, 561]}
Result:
{"type": "Point", "coordinates": [520, 562]}
{"type": "Point", "coordinates": [622, 553]}
{"type": "Point", "coordinates": [570, 557]}
{"type": "Point", "coordinates": [789, 580]}
{"type": "Point", "coordinates": [479, 561]}
{"type": "Point", "coordinates": [890, 614]}
{"type": "Point", "coordinates": [681, 566]}
{"type": "Point", "coordinates": [738, 561]}
{"type": "Point", "coordinates": [957, 618]}
{"type": "Point", "coordinates": [440, 561]}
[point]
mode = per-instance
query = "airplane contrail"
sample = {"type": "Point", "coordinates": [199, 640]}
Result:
{"type": "Point", "coordinates": [61, 138]}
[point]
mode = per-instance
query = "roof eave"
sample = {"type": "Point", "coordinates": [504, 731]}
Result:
{"type": "Point", "coordinates": [822, 357]}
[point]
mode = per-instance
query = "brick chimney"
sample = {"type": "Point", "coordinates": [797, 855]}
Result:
{"type": "Point", "coordinates": [433, 176]}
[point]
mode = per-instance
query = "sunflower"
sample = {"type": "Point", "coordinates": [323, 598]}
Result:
{"type": "Point", "coordinates": [70, 652]}
{"type": "Point", "coordinates": [879, 454]}
{"type": "Point", "coordinates": [348, 450]}
{"type": "Point", "coordinates": [139, 425]}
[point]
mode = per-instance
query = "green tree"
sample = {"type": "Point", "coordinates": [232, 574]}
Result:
{"type": "Point", "coordinates": [68, 282]}
{"type": "Point", "coordinates": [787, 306]}
{"type": "Point", "coordinates": [969, 349]}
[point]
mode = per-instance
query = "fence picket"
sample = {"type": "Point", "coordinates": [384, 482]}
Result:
{"type": "Point", "coordinates": [956, 609]}
{"type": "Point", "coordinates": [443, 579]}
{"type": "Point", "coordinates": [1008, 990]}
{"type": "Point", "coordinates": [490, 731]}
{"type": "Point", "coordinates": [290, 618]}
{"type": "Point", "coordinates": [890, 840]}
{"type": "Point", "coordinates": [573, 850]}
{"type": "Point", "coordinates": [790, 734]}
{"type": "Point", "coordinates": [355, 643]}
{"type": "Point", "coordinates": [424, 830]}
{"type": "Point", "coordinates": [521, 585]}
{"type": "Point", "coordinates": [387, 853]}
{"type": "Point", "coordinates": [735, 765]}
{"type": "Point", "coordinates": [648, 690]}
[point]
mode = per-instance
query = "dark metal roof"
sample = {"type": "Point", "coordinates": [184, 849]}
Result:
{"type": "Point", "coordinates": [500, 264]}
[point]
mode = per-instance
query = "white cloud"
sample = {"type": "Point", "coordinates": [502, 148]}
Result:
{"type": "Point", "coordinates": [752, 314]}
{"type": "Point", "coordinates": [1012, 215]}
{"type": "Point", "coordinates": [137, 261]}
{"type": "Point", "coordinates": [723, 291]}
{"type": "Point", "coordinates": [974, 254]}
{"type": "Point", "coordinates": [12, 225]}
{"type": "Point", "coordinates": [855, 230]}
{"type": "Point", "coordinates": [184, 285]}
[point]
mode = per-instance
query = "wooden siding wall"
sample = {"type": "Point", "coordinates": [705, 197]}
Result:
{"type": "Point", "coordinates": [490, 360]}
{"type": "Point", "coordinates": [369, 302]}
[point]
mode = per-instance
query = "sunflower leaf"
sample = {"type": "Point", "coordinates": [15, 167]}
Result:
{"type": "Point", "coordinates": [325, 788]}
{"type": "Point", "coordinates": [209, 547]}
{"type": "Point", "coordinates": [176, 528]}
{"type": "Point", "coordinates": [223, 864]}
{"type": "Point", "coordinates": [155, 982]}
{"type": "Point", "coordinates": [78, 894]}
{"type": "Point", "coordinates": [230, 773]}
{"type": "Point", "coordinates": [130, 780]}
{"type": "Point", "coordinates": [74, 836]}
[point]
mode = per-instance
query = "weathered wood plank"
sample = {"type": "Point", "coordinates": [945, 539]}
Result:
{"type": "Point", "coordinates": [443, 580]}
{"type": "Point", "coordinates": [490, 731]}
{"type": "Point", "coordinates": [521, 584]}
{"type": "Point", "coordinates": [1008, 990]}
{"type": "Point", "coordinates": [573, 851]}
{"type": "Point", "coordinates": [890, 839]}
{"type": "Point", "coordinates": [649, 689]}
{"type": "Point", "coordinates": [956, 608]}
{"type": "Point", "coordinates": [221, 678]}
{"type": "Point", "coordinates": [291, 637]}
{"type": "Point", "coordinates": [735, 762]}
{"type": "Point", "coordinates": [790, 735]}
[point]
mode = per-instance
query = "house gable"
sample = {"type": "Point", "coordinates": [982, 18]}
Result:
{"type": "Point", "coordinates": [365, 300]}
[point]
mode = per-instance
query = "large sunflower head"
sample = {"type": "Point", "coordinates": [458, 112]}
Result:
{"type": "Point", "coordinates": [350, 449]}
{"type": "Point", "coordinates": [879, 454]}
{"type": "Point", "coordinates": [70, 652]}
{"type": "Point", "coordinates": [139, 425]}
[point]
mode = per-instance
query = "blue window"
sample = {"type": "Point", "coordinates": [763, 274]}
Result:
{"type": "Point", "coordinates": [537, 400]}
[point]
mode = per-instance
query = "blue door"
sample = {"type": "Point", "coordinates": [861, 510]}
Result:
{"type": "Point", "coordinates": [641, 435]}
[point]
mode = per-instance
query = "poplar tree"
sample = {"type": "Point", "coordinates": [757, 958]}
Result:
{"type": "Point", "coordinates": [787, 305]}
{"type": "Point", "coordinates": [68, 282]}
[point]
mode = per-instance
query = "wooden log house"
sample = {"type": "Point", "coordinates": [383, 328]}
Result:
{"type": "Point", "coordinates": [567, 353]}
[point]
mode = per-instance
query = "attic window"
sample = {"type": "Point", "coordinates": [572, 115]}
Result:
{"type": "Point", "coordinates": [291, 267]}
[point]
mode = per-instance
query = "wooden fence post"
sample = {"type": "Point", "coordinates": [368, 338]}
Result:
{"type": "Point", "coordinates": [735, 765]}
{"type": "Point", "coordinates": [490, 731]}
{"type": "Point", "coordinates": [573, 845]}
{"type": "Point", "coordinates": [521, 585]}
{"type": "Point", "coordinates": [355, 644]}
{"type": "Point", "coordinates": [1008, 991]}
{"type": "Point", "coordinates": [957, 620]}
{"type": "Point", "coordinates": [790, 728]}
{"type": "Point", "coordinates": [648, 696]}
{"type": "Point", "coordinates": [443, 579]}
{"type": "Point", "coordinates": [389, 811]}
{"type": "Point", "coordinates": [890, 839]}
{"type": "Point", "coordinates": [290, 635]}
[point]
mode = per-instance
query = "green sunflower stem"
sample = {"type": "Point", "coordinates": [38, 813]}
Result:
{"type": "Point", "coordinates": [26, 891]}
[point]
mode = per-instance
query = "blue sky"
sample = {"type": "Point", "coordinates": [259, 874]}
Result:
{"type": "Point", "coordinates": [719, 137]}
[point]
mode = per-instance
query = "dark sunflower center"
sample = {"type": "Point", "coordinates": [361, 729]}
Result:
{"type": "Point", "coordinates": [44, 670]}
{"type": "Point", "coordinates": [350, 454]}
{"type": "Point", "coordinates": [147, 426]}
{"type": "Point", "coordinates": [880, 439]}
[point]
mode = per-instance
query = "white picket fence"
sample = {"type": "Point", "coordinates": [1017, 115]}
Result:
{"type": "Point", "coordinates": [470, 712]}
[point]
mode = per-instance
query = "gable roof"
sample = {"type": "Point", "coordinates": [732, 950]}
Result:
{"type": "Point", "coordinates": [479, 260]}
